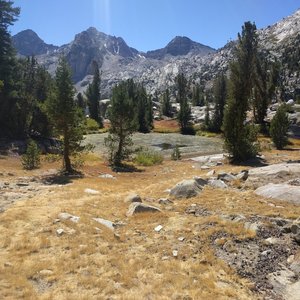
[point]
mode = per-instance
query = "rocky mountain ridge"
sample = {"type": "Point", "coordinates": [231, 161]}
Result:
{"type": "Point", "coordinates": [157, 69]}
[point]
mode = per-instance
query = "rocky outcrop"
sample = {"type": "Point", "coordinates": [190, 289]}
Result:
{"type": "Point", "coordinates": [137, 207]}
{"type": "Point", "coordinates": [186, 189]}
{"type": "Point", "coordinates": [284, 192]}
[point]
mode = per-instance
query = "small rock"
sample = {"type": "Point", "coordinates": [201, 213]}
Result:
{"type": "Point", "coordinates": [8, 264]}
{"type": "Point", "coordinates": [21, 184]}
{"type": "Point", "coordinates": [175, 253]}
{"type": "Point", "coordinates": [67, 216]}
{"type": "Point", "coordinates": [91, 192]}
{"type": "Point", "coordinates": [46, 272]}
{"type": "Point", "coordinates": [204, 167]}
{"type": "Point", "coordinates": [109, 176]}
{"type": "Point", "coordinates": [227, 177]}
{"type": "Point", "coordinates": [158, 228]}
{"type": "Point", "coordinates": [217, 183]}
{"type": "Point", "coordinates": [286, 229]}
{"type": "Point", "coordinates": [272, 241]}
{"type": "Point", "coordinates": [108, 224]}
{"type": "Point", "coordinates": [290, 259]}
{"type": "Point", "coordinates": [210, 173]}
{"type": "Point", "coordinates": [165, 201]}
{"type": "Point", "coordinates": [186, 189]}
{"type": "Point", "coordinates": [266, 252]}
{"type": "Point", "coordinates": [181, 238]}
{"type": "Point", "coordinates": [137, 207]}
{"type": "Point", "coordinates": [251, 226]}
{"type": "Point", "coordinates": [297, 238]}
{"type": "Point", "coordinates": [243, 175]}
{"type": "Point", "coordinates": [295, 228]}
{"type": "Point", "coordinates": [133, 198]}
{"type": "Point", "coordinates": [60, 231]}
{"type": "Point", "coordinates": [165, 258]}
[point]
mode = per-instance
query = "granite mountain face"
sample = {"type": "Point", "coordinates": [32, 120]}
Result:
{"type": "Point", "coordinates": [158, 68]}
{"type": "Point", "coordinates": [28, 43]}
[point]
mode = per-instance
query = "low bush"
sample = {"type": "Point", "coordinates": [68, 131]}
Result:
{"type": "Point", "coordinates": [148, 158]}
{"type": "Point", "coordinates": [31, 159]}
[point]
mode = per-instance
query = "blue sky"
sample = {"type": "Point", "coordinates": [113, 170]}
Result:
{"type": "Point", "coordinates": [149, 24]}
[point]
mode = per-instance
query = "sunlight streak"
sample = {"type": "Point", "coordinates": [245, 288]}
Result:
{"type": "Point", "coordinates": [102, 18]}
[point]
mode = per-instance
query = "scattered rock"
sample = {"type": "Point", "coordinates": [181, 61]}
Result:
{"type": "Point", "coordinates": [227, 177]}
{"type": "Point", "coordinates": [91, 192]}
{"type": "Point", "coordinates": [251, 226]}
{"type": "Point", "coordinates": [46, 272]}
{"type": "Point", "coordinates": [284, 192]}
{"type": "Point", "coordinates": [108, 176]}
{"type": "Point", "coordinates": [138, 207]}
{"type": "Point", "coordinates": [197, 210]}
{"type": "Point", "coordinates": [60, 231]}
{"type": "Point", "coordinates": [217, 183]}
{"type": "Point", "coordinates": [295, 228]}
{"type": "Point", "coordinates": [210, 173]}
{"type": "Point", "coordinates": [165, 201]}
{"type": "Point", "coordinates": [186, 189]}
{"type": "Point", "coordinates": [67, 216]}
{"type": "Point", "coordinates": [158, 228]}
{"type": "Point", "coordinates": [275, 173]}
{"type": "Point", "coordinates": [243, 175]}
{"type": "Point", "coordinates": [133, 198]}
{"type": "Point", "coordinates": [108, 224]}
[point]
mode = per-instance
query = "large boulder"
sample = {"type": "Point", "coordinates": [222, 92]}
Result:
{"type": "Point", "coordinates": [276, 173]}
{"type": "Point", "coordinates": [187, 188]}
{"type": "Point", "coordinates": [284, 192]}
{"type": "Point", "coordinates": [138, 207]}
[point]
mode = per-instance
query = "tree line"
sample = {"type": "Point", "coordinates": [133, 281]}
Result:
{"type": "Point", "coordinates": [34, 103]}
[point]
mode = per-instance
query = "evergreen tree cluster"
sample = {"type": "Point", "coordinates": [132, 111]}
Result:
{"type": "Point", "coordinates": [24, 85]}
{"type": "Point", "coordinates": [130, 110]}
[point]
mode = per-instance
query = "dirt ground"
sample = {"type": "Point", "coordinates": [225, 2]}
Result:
{"type": "Point", "coordinates": [89, 261]}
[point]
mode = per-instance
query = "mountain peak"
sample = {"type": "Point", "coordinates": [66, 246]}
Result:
{"type": "Point", "coordinates": [27, 43]}
{"type": "Point", "coordinates": [180, 45]}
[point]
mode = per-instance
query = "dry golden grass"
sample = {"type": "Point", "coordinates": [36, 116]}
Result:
{"type": "Point", "coordinates": [89, 262]}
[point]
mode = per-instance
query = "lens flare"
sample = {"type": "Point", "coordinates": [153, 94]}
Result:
{"type": "Point", "coordinates": [102, 19]}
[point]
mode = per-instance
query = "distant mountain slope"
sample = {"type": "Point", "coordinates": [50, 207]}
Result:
{"type": "Point", "coordinates": [157, 69]}
{"type": "Point", "coordinates": [28, 43]}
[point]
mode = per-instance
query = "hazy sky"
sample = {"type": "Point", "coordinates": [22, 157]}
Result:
{"type": "Point", "coordinates": [149, 24]}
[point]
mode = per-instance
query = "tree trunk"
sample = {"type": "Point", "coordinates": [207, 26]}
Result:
{"type": "Point", "coordinates": [67, 161]}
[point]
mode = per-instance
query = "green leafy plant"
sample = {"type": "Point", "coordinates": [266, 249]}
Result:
{"type": "Point", "coordinates": [176, 154]}
{"type": "Point", "coordinates": [279, 127]}
{"type": "Point", "coordinates": [31, 159]}
{"type": "Point", "coordinates": [147, 157]}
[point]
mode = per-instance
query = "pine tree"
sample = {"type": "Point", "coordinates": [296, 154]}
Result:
{"type": "Point", "coordinates": [184, 114]}
{"type": "Point", "coordinates": [197, 95]}
{"type": "Point", "coordinates": [65, 115]}
{"type": "Point", "coordinates": [219, 96]}
{"type": "Point", "coordinates": [93, 95]}
{"type": "Point", "coordinates": [266, 80]}
{"type": "Point", "coordinates": [8, 63]}
{"type": "Point", "coordinates": [31, 159]}
{"type": "Point", "coordinates": [166, 108]}
{"type": "Point", "coordinates": [279, 127]}
{"type": "Point", "coordinates": [239, 136]}
{"type": "Point", "coordinates": [123, 122]}
{"type": "Point", "coordinates": [144, 109]}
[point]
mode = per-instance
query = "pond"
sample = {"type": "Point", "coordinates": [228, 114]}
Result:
{"type": "Point", "coordinates": [165, 143]}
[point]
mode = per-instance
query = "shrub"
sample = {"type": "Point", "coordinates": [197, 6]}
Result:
{"type": "Point", "coordinates": [148, 158]}
{"type": "Point", "coordinates": [31, 159]}
{"type": "Point", "coordinates": [91, 125]}
{"type": "Point", "coordinates": [176, 155]}
{"type": "Point", "coordinates": [279, 127]}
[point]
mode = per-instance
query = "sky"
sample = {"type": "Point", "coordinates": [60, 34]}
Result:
{"type": "Point", "coordinates": [149, 24]}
